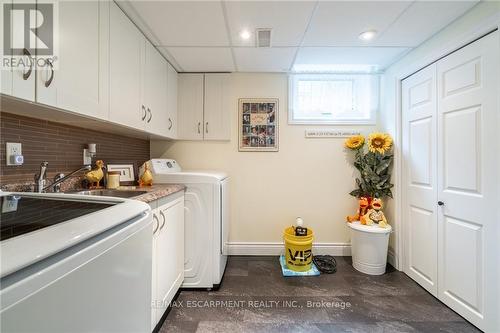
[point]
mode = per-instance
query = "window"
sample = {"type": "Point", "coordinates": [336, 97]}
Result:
{"type": "Point", "coordinates": [333, 98]}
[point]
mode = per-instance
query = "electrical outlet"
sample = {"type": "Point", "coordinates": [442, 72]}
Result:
{"type": "Point", "coordinates": [14, 154]}
{"type": "Point", "coordinates": [9, 204]}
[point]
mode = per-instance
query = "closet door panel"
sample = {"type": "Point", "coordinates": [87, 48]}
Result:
{"type": "Point", "coordinates": [419, 160]}
{"type": "Point", "coordinates": [468, 171]}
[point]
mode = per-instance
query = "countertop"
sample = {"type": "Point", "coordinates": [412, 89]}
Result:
{"type": "Point", "coordinates": [155, 192]}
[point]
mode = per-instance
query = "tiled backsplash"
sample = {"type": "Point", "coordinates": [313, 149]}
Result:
{"type": "Point", "coordinates": [62, 146]}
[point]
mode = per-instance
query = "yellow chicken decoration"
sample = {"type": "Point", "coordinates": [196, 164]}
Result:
{"type": "Point", "coordinates": [95, 176]}
{"type": "Point", "coordinates": [147, 177]}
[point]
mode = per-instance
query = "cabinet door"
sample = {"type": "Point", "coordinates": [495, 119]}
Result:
{"type": "Point", "coordinates": [23, 76]}
{"type": "Point", "coordinates": [216, 116]}
{"type": "Point", "coordinates": [172, 101]}
{"type": "Point", "coordinates": [155, 91]}
{"type": "Point", "coordinates": [170, 253]}
{"type": "Point", "coordinates": [79, 77]}
{"type": "Point", "coordinates": [5, 73]}
{"type": "Point", "coordinates": [154, 293]}
{"type": "Point", "coordinates": [190, 106]}
{"type": "Point", "coordinates": [126, 54]}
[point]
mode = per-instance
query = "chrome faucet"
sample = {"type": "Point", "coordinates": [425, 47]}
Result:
{"type": "Point", "coordinates": [58, 179]}
{"type": "Point", "coordinates": [41, 178]}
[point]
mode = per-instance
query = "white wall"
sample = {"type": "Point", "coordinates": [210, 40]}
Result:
{"type": "Point", "coordinates": [475, 22]}
{"type": "Point", "coordinates": [307, 177]}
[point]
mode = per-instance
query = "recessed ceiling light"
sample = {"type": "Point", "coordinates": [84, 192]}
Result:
{"type": "Point", "coordinates": [245, 34]}
{"type": "Point", "coordinates": [367, 35]}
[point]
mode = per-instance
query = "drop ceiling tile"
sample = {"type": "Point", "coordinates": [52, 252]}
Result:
{"type": "Point", "coordinates": [339, 23]}
{"type": "Point", "coordinates": [380, 57]}
{"type": "Point", "coordinates": [184, 23]}
{"type": "Point", "coordinates": [251, 59]}
{"type": "Point", "coordinates": [287, 19]}
{"type": "Point", "coordinates": [421, 21]}
{"type": "Point", "coordinates": [203, 59]}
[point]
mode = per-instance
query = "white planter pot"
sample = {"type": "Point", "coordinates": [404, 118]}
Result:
{"type": "Point", "coordinates": [369, 247]}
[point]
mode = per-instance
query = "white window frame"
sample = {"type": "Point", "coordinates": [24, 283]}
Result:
{"type": "Point", "coordinates": [372, 120]}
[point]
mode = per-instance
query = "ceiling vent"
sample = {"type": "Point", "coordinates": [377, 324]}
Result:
{"type": "Point", "coordinates": [263, 37]}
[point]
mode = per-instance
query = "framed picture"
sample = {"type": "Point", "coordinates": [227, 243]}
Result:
{"type": "Point", "coordinates": [258, 124]}
{"type": "Point", "coordinates": [127, 172]}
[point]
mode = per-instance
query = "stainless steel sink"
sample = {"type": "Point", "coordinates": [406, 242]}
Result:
{"type": "Point", "coordinates": [111, 193]}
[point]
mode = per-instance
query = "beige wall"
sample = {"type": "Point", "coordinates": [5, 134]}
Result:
{"type": "Point", "coordinates": [307, 177]}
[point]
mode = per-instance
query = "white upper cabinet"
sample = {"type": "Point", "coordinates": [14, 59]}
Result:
{"type": "Point", "coordinates": [216, 118]}
{"type": "Point", "coordinates": [104, 69]}
{"type": "Point", "coordinates": [203, 107]}
{"type": "Point", "coordinates": [20, 82]}
{"type": "Point", "coordinates": [5, 74]}
{"type": "Point", "coordinates": [78, 80]}
{"type": "Point", "coordinates": [172, 101]}
{"type": "Point", "coordinates": [155, 92]}
{"type": "Point", "coordinates": [190, 106]}
{"type": "Point", "coordinates": [126, 57]}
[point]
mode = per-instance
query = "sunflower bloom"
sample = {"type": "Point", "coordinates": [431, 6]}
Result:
{"type": "Point", "coordinates": [379, 142]}
{"type": "Point", "coordinates": [355, 142]}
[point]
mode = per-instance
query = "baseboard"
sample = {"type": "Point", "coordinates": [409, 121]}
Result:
{"type": "Point", "coordinates": [392, 258]}
{"type": "Point", "coordinates": [277, 248]}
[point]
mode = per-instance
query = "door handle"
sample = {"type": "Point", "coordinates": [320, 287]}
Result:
{"type": "Point", "coordinates": [164, 220]}
{"type": "Point", "coordinates": [28, 73]}
{"type": "Point", "coordinates": [157, 223]}
{"type": "Point", "coordinates": [206, 127]}
{"type": "Point", "coordinates": [440, 203]}
{"type": "Point", "coordinates": [49, 81]}
{"type": "Point", "coordinates": [150, 115]}
{"type": "Point", "coordinates": [199, 131]}
{"type": "Point", "coordinates": [170, 124]}
{"type": "Point", "coordinates": [143, 112]}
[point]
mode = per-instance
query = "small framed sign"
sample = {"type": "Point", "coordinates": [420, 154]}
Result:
{"type": "Point", "coordinates": [258, 124]}
{"type": "Point", "coordinates": [127, 172]}
{"type": "Point", "coordinates": [331, 133]}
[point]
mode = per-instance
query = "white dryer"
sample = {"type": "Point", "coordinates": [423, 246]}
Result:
{"type": "Point", "coordinates": [206, 220]}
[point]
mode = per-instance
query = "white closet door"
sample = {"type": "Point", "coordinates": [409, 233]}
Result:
{"type": "Point", "coordinates": [467, 181]}
{"type": "Point", "coordinates": [420, 167]}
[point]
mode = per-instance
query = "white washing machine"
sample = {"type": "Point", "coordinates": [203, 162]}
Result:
{"type": "Point", "coordinates": [206, 220]}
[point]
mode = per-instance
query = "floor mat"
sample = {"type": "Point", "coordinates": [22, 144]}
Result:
{"type": "Point", "coordinates": [288, 272]}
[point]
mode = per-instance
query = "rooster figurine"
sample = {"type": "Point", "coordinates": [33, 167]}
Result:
{"type": "Point", "coordinates": [147, 177]}
{"type": "Point", "coordinates": [95, 176]}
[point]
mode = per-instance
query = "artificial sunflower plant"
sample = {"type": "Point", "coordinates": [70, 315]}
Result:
{"type": "Point", "coordinates": [373, 163]}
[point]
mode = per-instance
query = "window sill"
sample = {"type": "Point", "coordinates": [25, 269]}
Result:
{"type": "Point", "coordinates": [334, 122]}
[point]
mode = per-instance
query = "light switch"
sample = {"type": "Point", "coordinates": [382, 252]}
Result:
{"type": "Point", "coordinates": [13, 152]}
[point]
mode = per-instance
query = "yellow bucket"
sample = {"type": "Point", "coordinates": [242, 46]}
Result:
{"type": "Point", "coordinates": [298, 250]}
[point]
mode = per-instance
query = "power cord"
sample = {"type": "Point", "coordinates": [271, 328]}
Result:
{"type": "Point", "coordinates": [325, 264]}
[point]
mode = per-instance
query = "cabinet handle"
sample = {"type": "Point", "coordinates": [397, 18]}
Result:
{"type": "Point", "coordinates": [28, 73]}
{"type": "Point", "coordinates": [143, 112]}
{"type": "Point", "coordinates": [157, 223]}
{"type": "Point", "coordinates": [206, 127]}
{"type": "Point", "coordinates": [170, 124]}
{"type": "Point", "coordinates": [440, 203]}
{"type": "Point", "coordinates": [164, 220]}
{"type": "Point", "coordinates": [199, 131]}
{"type": "Point", "coordinates": [150, 115]}
{"type": "Point", "coordinates": [49, 81]}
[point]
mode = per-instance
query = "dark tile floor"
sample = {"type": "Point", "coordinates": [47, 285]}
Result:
{"type": "Point", "coordinates": [254, 297]}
